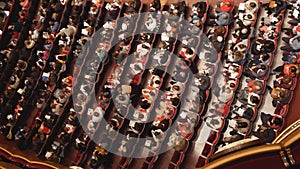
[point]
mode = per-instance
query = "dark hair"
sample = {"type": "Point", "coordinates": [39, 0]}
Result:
{"type": "Point", "coordinates": [189, 51]}
{"type": "Point", "coordinates": [145, 104]}
{"type": "Point", "coordinates": [232, 85]}
{"type": "Point", "coordinates": [277, 121]}
{"type": "Point", "coordinates": [214, 122]}
{"type": "Point", "coordinates": [265, 57]}
{"type": "Point", "coordinates": [252, 4]}
{"type": "Point", "coordinates": [175, 101]}
{"type": "Point", "coordinates": [293, 69]}
{"type": "Point", "coordinates": [242, 124]}
{"type": "Point", "coordinates": [254, 99]}
{"type": "Point", "coordinates": [233, 132]}
{"type": "Point", "coordinates": [249, 16]}
{"type": "Point", "coordinates": [263, 67]}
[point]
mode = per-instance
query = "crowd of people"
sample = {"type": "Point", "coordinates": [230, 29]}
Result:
{"type": "Point", "coordinates": [44, 76]}
{"type": "Point", "coordinates": [5, 11]}
{"type": "Point", "coordinates": [257, 70]}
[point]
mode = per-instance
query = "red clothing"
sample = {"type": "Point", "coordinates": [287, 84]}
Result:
{"type": "Point", "coordinates": [287, 69]}
{"type": "Point", "coordinates": [225, 8]}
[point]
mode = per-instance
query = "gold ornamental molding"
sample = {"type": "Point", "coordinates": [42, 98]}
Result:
{"type": "Point", "coordinates": [17, 158]}
{"type": "Point", "coordinates": [281, 144]}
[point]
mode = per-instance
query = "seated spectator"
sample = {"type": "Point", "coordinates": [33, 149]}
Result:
{"type": "Point", "coordinates": [236, 57]}
{"type": "Point", "coordinates": [56, 152]}
{"type": "Point", "coordinates": [243, 111]}
{"type": "Point", "coordinates": [81, 143]}
{"type": "Point", "coordinates": [98, 158]}
{"type": "Point", "coordinates": [185, 129]}
{"type": "Point", "coordinates": [276, 6]}
{"type": "Point", "coordinates": [291, 70]}
{"type": "Point", "coordinates": [290, 57]}
{"type": "Point", "coordinates": [251, 5]}
{"type": "Point", "coordinates": [218, 42]}
{"type": "Point", "coordinates": [21, 136]}
{"type": "Point", "coordinates": [280, 95]}
{"type": "Point", "coordinates": [155, 6]}
{"type": "Point", "coordinates": [258, 71]}
{"type": "Point", "coordinates": [223, 19]}
{"type": "Point", "coordinates": [199, 8]}
{"type": "Point", "coordinates": [187, 53]}
{"type": "Point", "coordinates": [203, 82]}
{"type": "Point", "coordinates": [260, 46]}
{"type": "Point", "coordinates": [251, 98]}
{"type": "Point", "coordinates": [70, 30]}
{"type": "Point", "coordinates": [270, 121]}
{"type": "Point", "coordinates": [266, 134]}
{"type": "Point", "coordinates": [248, 19]}
{"type": "Point", "coordinates": [213, 121]}
{"type": "Point", "coordinates": [283, 81]}
{"type": "Point", "coordinates": [234, 136]}
{"type": "Point", "coordinates": [255, 86]}
{"type": "Point", "coordinates": [231, 70]}
{"type": "Point", "coordinates": [293, 44]}
{"type": "Point", "coordinates": [113, 10]}
{"type": "Point", "coordinates": [242, 32]}
{"type": "Point", "coordinates": [225, 6]}
{"type": "Point", "coordinates": [263, 58]}
{"type": "Point", "coordinates": [242, 125]}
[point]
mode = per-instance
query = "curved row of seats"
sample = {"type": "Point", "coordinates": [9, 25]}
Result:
{"type": "Point", "coordinates": [5, 11]}
{"type": "Point", "coordinates": [228, 82]}
{"type": "Point", "coordinates": [243, 110]}
{"type": "Point", "coordinates": [148, 82]}
{"type": "Point", "coordinates": [126, 10]}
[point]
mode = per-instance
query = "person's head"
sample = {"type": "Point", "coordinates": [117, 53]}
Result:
{"type": "Point", "coordinates": [244, 30]}
{"type": "Point", "coordinates": [242, 125]}
{"type": "Point", "coordinates": [202, 81]}
{"type": "Point", "coordinates": [293, 69]}
{"type": "Point", "coordinates": [254, 99]}
{"type": "Point", "coordinates": [220, 30]}
{"type": "Point", "coordinates": [275, 93]}
{"type": "Point", "coordinates": [175, 12]}
{"type": "Point", "coordinates": [145, 104]}
{"type": "Point", "coordinates": [214, 122]}
{"type": "Point", "coordinates": [189, 51]}
{"type": "Point", "coordinates": [232, 85]}
{"type": "Point", "coordinates": [182, 74]}
{"type": "Point", "coordinates": [257, 87]}
{"type": "Point", "coordinates": [198, 24]}
{"type": "Point", "coordinates": [263, 67]}
{"type": "Point", "coordinates": [233, 132]}
{"type": "Point", "coordinates": [252, 4]}
{"type": "Point", "coordinates": [249, 16]}
{"type": "Point", "coordinates": [277, 122]}
{"type": "Point", "coordinates": [281, 93]}
{"type": "Point", "coordinates": [220, 39]}
{"type": "Point", "coordinates": [227, 3]}
{"type": "Point", "coordinates": [264, 57]}
{"type": "Point", "coordinates": [181, 145]}
{"type": "Point", "coordinates": [199, 10]}
{"type": "Point", "coordinates": [175, 101]}
{"type": "Point", "coordinates": [236, 69]}
{"type": "Point", "coordinates": [157, 82]}
{"type": "Point", "coordinates": [238, 55]}
{"type": "Point", "coordinates": [224, 16]}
